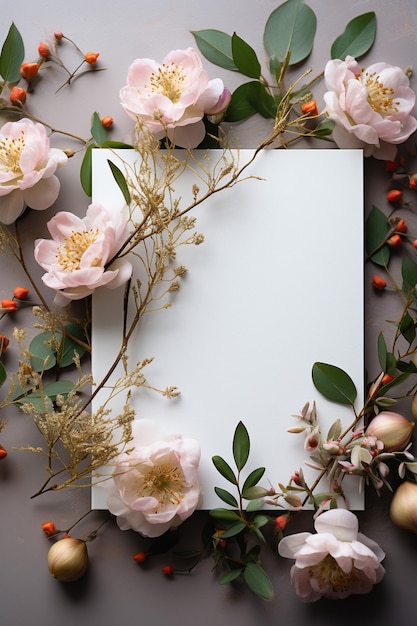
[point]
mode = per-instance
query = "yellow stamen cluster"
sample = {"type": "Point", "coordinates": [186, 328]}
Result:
{"type": "Point", "coordinates": [10, 152]}
{"type": "Point", "coordinates": [380, 97]}
{"type": "Point", "coordinates": [168, 81]}
{"type": "Point", "coordinates": [329, 574]}
{"type": "Point", "coordinates": [163, 482]}
{"type": "Point", "coordinates": [69, 254]}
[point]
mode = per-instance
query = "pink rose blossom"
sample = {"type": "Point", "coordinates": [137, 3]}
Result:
{"type": "Point", "coordinates": [171, 97]}
{"type": "Point", "coordinates": [335, 562]}
{"type": "Point", "coordinates": [77, 256]}
{"type": "Point", "coordinates": [371, 107]}
{"type": "Point", "coordinates": [154, 487]}
{"type": "Point", "coordinates": [27, 166]}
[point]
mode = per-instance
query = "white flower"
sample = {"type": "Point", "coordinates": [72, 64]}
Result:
{"type": "Point", "coordinates": [371, 107]}
{"type": "Point", "coordinates": [335, 562]}
{"type": "Point", "coordinates": [154, 487]}
{"type": "Point", "coordinates": [27, 166]}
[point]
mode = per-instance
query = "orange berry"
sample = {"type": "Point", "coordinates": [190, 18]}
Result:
{"type": "Point", "coordinates": [20, 293]}
{"type": "Point", "coordinates": [391, 166]}
{"type": "Point", "coordinates": [49, 528]}
{"type": "Point", "coordinates": [412, 183]}
{"type": "Point", "coordinates": [309, 108]}
{"type": "Point", "coordinates": [3, 453]}
{"type": "Point", "coordinates": [387, 379]}
{"type": "Point", "coordinates": [394, 195]}
{"type": "Point", "coordinates": [107, 121]}
{"type": "Point", "coordinates": [395, 241]}
{"type": "Point", "coordinates": [167, 570]}
{"type": "Point", "coordinates": [43, 50]}
{"type": "Point", "coordinates": [91, 57]}
{"type": "Point", "coordinates": [281, 522]}
{"type": "Point", "coordinates": [9, 305]}
{"type": "Point", "coordinates": [140, 557]}
{"type": "Point", "coordinates": [29, 70]}
{"type": "Point", "coordinates": [18, 96]}
{"type": "Point", "coordinates": [401, 226]}
{"type": "Point", "coordinates": [379, 283]}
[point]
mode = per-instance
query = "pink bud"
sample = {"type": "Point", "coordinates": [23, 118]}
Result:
{"type": "Point", "coordinates": [221, 104]}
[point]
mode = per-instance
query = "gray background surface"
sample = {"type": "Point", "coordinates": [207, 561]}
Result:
{"type": "Point", "coordinates": [116, 590]}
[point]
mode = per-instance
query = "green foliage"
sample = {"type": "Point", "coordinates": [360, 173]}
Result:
{"type": "Point", "coordinates": [241, 446]}
{"type": "Point", "coordinates": [244, 57]}
{"type": "Point", "coordinates": [3, 374]}
{"type": "Point", "coordinates": [98, 132]}
{"type": "Point", "coordinates": [357, 39]}
{"type": "Point", "coordinates": [86, 170]}
{"type": "Point", "coordinates": [12, 55]}
{"type": "Point", "coordinates": [48, 350]}
{"type": "Point", "coordinates": [120, 180]}
{"type": "Point", "coordinates": [248, 99]}
{"type": "Point", "coordinates": [258, 580]}
{"type": "Point", "coordinates": [377, 229]}
{"type": "Point", "coordinates": [334, 383]}
{"type": "Point", "coordinates": [290, 31]}
{"type": "Point", "coordinates": [215, 46]}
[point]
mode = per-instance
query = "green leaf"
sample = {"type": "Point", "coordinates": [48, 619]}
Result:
{"type": "Point", "coordinates": [42, 403]}
{"type": "Point", "coordinates": [324, 129]}
{"type": "Point", "coordinates": [3, 374]}
{"type": "Point", "coordinates": [225, 514]}
{"type": "Point", "coordinates": [241, 446]}
{"type": "Point", "coordinates": [245, 58]}
{"type": "Point", "coordinates": [255, 492]}
{"type": "Point", "coordinates": [357, 38]}
{"type": "Point", "coordinates": [69, 347]}
{"type": "Point", "coordinates": [52, 390]}
{"type": "Point", "coordinates": [258, 581]}
{"type": "Point", "coordinates": [407, 328]}
{"type": "Point", "coordinates": [230, 576]}
{"type": "Point", "coordinates": [99, 133]}
{"type": "Point", "coordinates": [117, 145]}
{"type": "Point", "coordinates": [120, 180]}
{"type": "Point", "coordinates": [334, 383]}
{"type": "Point", "coordinates": [234, 530]}
{"type": "Point", "coordinates": [42, 355]}
{"type": "Point", "coordinates": [409, 274]}
{"type": "Point", "coordinates": [382, 352]}
{"type": "Point", "coordinates": [12, 55]}
{"type": "Point", "coordinates": [215, 46]}
{"type": "Point", "coordinates": [86, 170]}
{"type": "Point", "coordinates": [335, 431]}
{"type": "Point", "coordinates": [255, 505]}
{"type": "Point", "coordinates": [253, 478]}
{"type": "Point", "coordinates": [224, 469]}
{"type": "Point", "coordinates": [248, 99]}
{"type": "Point", "coordinates": [290, 29]}
{"type": "Point", "coordinates": [377, 229]}
{"type": "Point", "coordinates": [226, 496]}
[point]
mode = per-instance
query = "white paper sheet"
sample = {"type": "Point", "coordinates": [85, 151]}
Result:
{"type": "Point", "coordinates": [276, 285]}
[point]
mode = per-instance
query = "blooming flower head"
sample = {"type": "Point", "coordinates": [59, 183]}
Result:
{"type": "Point", "coordinates": [171, 97]}
{"type": "Point", "coordinates": [76, 258]}
{"type": "Point", "coordinates": [371, 107]}
{"type": "Point", "coordinates": [335, 562]}
{"type": "Point", "coordinates": [155, 486]}
{"type": "Point", "coordinates": [27, 167]}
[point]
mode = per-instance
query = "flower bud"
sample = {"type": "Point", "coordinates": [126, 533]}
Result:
{"type": "Point", "coordinates": [393, 429]}
{"type": "Point", "coordinates": [140, 557]}
{"type": "Point", "coordinates": [394, 195]}
{"type": "Point", "coordinates": [412, 183]}
{"type": "Point", "coordinates": [378, 282]}
{"type": "Point", "coordinates": [49, 528]}
{"type": "Point", "coordinates": [167, 570]}
{"type": "Point", "coordinates": [401, 226]}
{"type": "Point", "coordinates": [3, 453]}
{"type": "Point", "coordinates": [309, 108]}
{"type": "Point", "coordinates": [20, 293]}
{"type": "Point", "coordinates": [29, 70]}
{"type": "Point", "coordinates": [403, 508]}
{"type": "Point", "coordinates": [91, 57]}
{"type": "Point", "coordinates": [18, 96]}
{"type": "Point", "coordinates": [281, 522]}
{"type": "Point", "coordinates": [107, 121]}
{"type": "Point", "coordinates": [68, 559]}
{"type": "Point", "coordinates": [395, 241]}
{"type": "Point", "coordinates": [43, 50]}
{"type": "Point", "coordinates": [58, 35]}
{"type": "Point", "coordinates": [9, 305]}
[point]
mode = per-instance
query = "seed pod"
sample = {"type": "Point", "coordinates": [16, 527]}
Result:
{"type": "Point", "coordinates": [68, 559]}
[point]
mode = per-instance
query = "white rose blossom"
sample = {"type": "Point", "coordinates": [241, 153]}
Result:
{"type": "Point", "coordinates": [335, 562]}
{"type": "Point", "coordinates": [154, 487]}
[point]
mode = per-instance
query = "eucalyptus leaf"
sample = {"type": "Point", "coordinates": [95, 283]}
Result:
{"type": "Point", "coordinates": [42, 355]}
{"type": "Point", "coordinates": [12, 55]}
{"type": "Point", "coordinates": [52, 390]}
{"type": "Point", "coordinates": [290, 30]}
{"type": "Point", "coordinates": [230, 576]}
{"type": "Point", "coordinates": [120, 180]}
{"type": "Point", "coordinates": [99, 133]}
{"type": "Point", "coordinates": [244, 57]}
{"type": "Point", "coordinates": [248, 99]}
{"type": "Point", "coordinates": [224, 469]}
{"type": "Point", "coordinates": [409, 274]}
{"type": "Point", "coordinates": [42, 403]}
{"type": "Point", "coordinates": [86, 170]}
{"type": "Point", "coordinates": [334, 383]}
{"type": "Point", "coordinates": [258, 581]}
{"type": "Point", "coordinates": [215, 46]}
{"type": "Point", "coordinates": [69, 348]}
{"type": "Point", "coordinates": [382, 352]}
{"type": "Point", "coordinates": [357, 39]}
{"type": "Point", "coordinates": [241, 446]}
{"type": "Point", "coordinates": [226, 496]}
{"type": "Point", "coordinates": [377, 229]}
{"type": "Point", "coordinates": [324, 129]}
{"type": "Point", "coordinates": [3, 374]}
{"type": "Point", "coordinates": [335, 431]}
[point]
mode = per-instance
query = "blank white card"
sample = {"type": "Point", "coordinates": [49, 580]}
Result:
{"type": "Point", "coordinates": [276, 285]}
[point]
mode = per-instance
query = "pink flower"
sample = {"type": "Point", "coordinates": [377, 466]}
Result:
{"type": "Point", "coordinates": [27, 166]}
{"type": "Point", "coordinates": [77, 256]}
{"type": "Point", "coordinates": [171, 97]}
{"type": "Point", "coordinates": [335, 562]}
{"type": "Point", "coordinates": [154, 487]}
{"type": "Point", "coordinates": [371, 107]}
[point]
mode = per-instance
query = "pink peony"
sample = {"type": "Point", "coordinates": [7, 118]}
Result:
{"type": "Point", "coordinates": [171, 97]}
{"type": "Point", "coordinates": [154, 487]}
{"type": "Point", "coordinates": [335, 562]}
{"type": "Point", "coordinates": [371, 107]}
{"type": "Point", "coordinates": [77, 256]}
{"type": "Point", "coordinates": [27, 166]}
